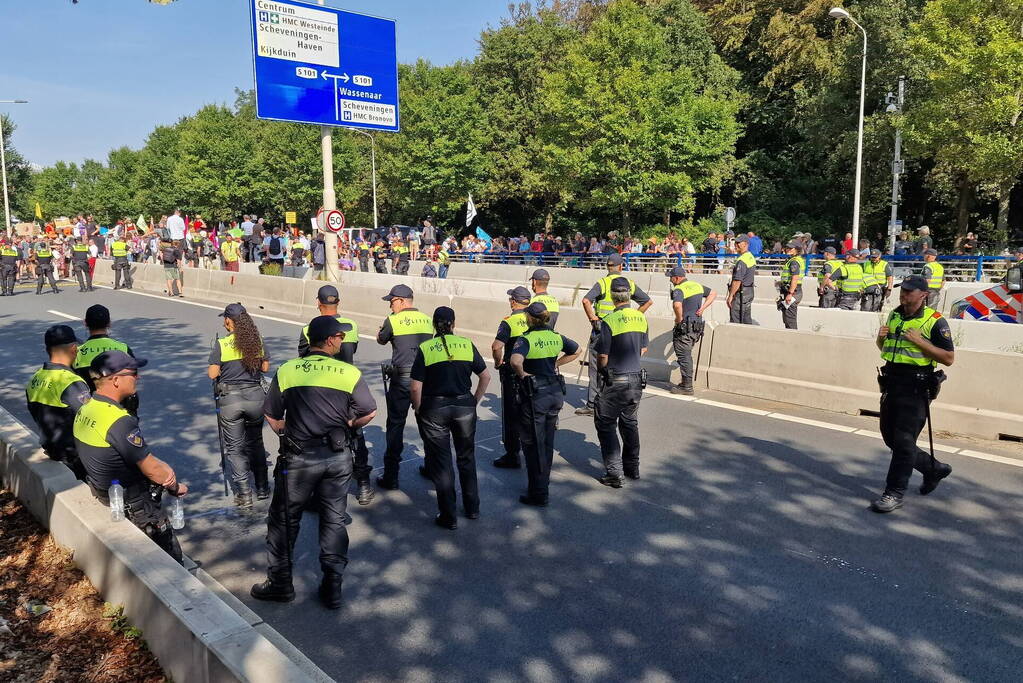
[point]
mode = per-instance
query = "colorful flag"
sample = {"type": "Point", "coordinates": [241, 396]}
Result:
{"type": "Point", "coordinates": [470, 211]}
{"type": "Point", "coordinates": [482, 234]}
{"type": "Point", "coordinates": [39, 211]}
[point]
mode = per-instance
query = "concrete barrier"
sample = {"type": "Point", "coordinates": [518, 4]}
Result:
{"type": "Point", "coordinates": [194, 634]}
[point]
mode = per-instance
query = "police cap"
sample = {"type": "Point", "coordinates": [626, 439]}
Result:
{"type": "Point", "coordinates": [852, 253]}
{"type": "Point", "coordinates": [915, 283]}
{"type": "Point", "coordinates": [112, 362]}
{"type": "Point", "coordinates": [327, 294]}
{"type": "Point", "coordinates": [793, 245]}
{"type": "Point", "coordinates": [875, 252]}
{"type": "Point", "coordinates": [399, 292]}
{"type": "Point", "coordinates": [323, 327]}
{"type": "Point", "coordinates": [58, 335]}
{"type": "Point", "coordinates": [620, 284]}
{"type": "Point", "coordinates": [615, 260]}
{"type": "Point", "coordinates": [232, 311]}
{"type": "Point", "coordinates": [540, 274]}
{"type": "Point", "coordinates": [443, 314]}
{"type": "Point", "coordinates": [536, 309]}
{"type": "Point", "coordinates": [930, 252]}
{"type": "Point", "coordinates": [97, 316]}
{"type": "Point", "coordinates": [520, 294]}
{"type": "Point", "coordinates": [742, 237]}
{"type": "Point", "coordinates": [830, 250]}
{"type": "Point", "coordinates": [677, 271]}
{"type": "Point", "coordinates": [1018, 250]}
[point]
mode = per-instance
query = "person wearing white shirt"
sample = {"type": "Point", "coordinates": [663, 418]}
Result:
{"type": "Point", "coordinates": [176, 226]}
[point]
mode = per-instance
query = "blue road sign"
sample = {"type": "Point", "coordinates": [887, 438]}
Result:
{"type": "Point", "coordinates": [324, 66]}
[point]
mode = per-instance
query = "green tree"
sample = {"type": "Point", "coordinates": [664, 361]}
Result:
{"type": "Point", "coordinates": [19, 175]}
{"type": "Point", "coordinates": [54, 189]}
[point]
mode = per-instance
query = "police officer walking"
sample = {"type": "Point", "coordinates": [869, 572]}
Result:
{"type": "Point", "coordinates": [112, 449]}
{"type": "Point", "coordinates": [80, 264]}
{"type": "Point", "coordinates": [621, 344]}
{"type": "Point", "coordinates": [597, 303]}
{"type": "Point", "coordinates": [44, 268]}
{"type": "Point", "coordinates": [236, 366]}
{"type": "Point", "coordinates": [314, 403]}
{"type": "Point", "coordinates": [119, 250]}
{"type": "Point", "coordinates": [327, 301]}
{"type": "Point", "coordinates": [741, 290]}
{"type": "Point", "coordinates": [538, 282]}
{"type": "Point", "coordinates": [688, 302]}
{"type": "Point", "coordinates": [849, 280]}
{"type": "Point", "coordinates": [934, 273]}
{"type": "Point", "coordinates": [404, 329]}
{"type": "Point", "coordinates": [535, 360]}
{"type": "Point", "coordinates": [827, 292]}
{"type": "Point", "coordinates": [508, 331]}
{"type": "Point", "coordinates": [55, 394]}
{"type": "Point", "coordinates": [9, 258]}
{"type": "Point", "coordinates": [877, 282]}
{"type": "Point", "coordinates": [912, 342]}
{"type": "Point", "coordinates": [446, 411]}
{"type": "Point", "coordinates": [790, 288]}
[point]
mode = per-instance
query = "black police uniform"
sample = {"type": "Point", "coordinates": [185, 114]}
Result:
{"type": "Point", "coordinates": [623, 335]}
{"type": "Point", "coordinates": [110, 445]}
{"type": "Point", "coordinates": [543, 395]}
{"type": "Point", "coordinates": [403, 254]}
{"type": "Point", "coordinates": [9, 258]}
{"type": "Point", "coordinates": [44, 270]}
{"type": "Point", "coordinates": [80, 265]}
{"type": "Point", "coordinates": [744, 272]}
{"type": "Point", "coordinates": [828, 297]}
{"type": "Point", "coordinates": [240, 412]}
{"type": "Point", "coordinates": [508, 332]}
{"type": "Point", "coordinates": [405, 331]}
{"type": "Point", "coordinates": [122, 266]}
{"type": "Point", "coordinates": [447, 412]}
{"type": "Point", "coordinates": [54, 395]}
{"type": "Point", "coordinates": [552, 305]}
{"type": "Point", "coordinates": [380, 257]}
{"type": "Point", "coordinates": [687, 333]}
{"type": "Point", "coordinates": [792, 271]}
{"type": "Point", "coordinates": [600, 296]}
{"type": "Point", "coordinates": [316, 396]}
{"type": "Point", "coordinates": [364, 257]}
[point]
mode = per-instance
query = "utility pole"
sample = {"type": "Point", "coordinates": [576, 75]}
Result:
{"type": "Point", "coordinates": [3, 170]}
{"type": "Point", "coordinates": [895, 104]}
{"type": "Point", "coordinates": [329, 197]}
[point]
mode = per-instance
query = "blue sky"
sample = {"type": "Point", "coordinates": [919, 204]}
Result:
{"type": "Point", "coordinates": [103, 73]}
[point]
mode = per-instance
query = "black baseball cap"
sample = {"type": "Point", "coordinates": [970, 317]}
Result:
{"type": "Point", "coordinates": [620, 284]}
{"type": "Point", "coordinates": [742, 237]}
{"type": "Point", "coordinates": [536, 309]}
{"type": "Point", "coordinates": [875, 252]}
{"type": "Point", "coordinates": [830, 250]}
{"type": "Point", "coordinates": [112, 362]}
{"type": "Point", "coordinates": [793, 245]}
{"type": "Point", "coordinates": [399, 292]}
{"type": "Point", "coordinates": [930, 252]}
{"type": "Point", "coordinates": [520, 294]}
{"type": "Point", "coordinates": [915, 283]}
{"type": "Point", "coordinates": [444, 314]}
{"type": "Point", "coordinates": [677, 271]}
{"type": "Point", "coordinates": [540, 274]}
{"type": "Point", "coordinates": [232, 311]}
{"type": "Point", "coordinates": [58, 335]}
{"type": "Point", "coordinates": [97, 316]}
{"type": "Point", "coordinates": [615, 260]}
{"type": "Point", "coordinates": [327, 294]}
{"type": "Point", "coordinates": [323, 327]}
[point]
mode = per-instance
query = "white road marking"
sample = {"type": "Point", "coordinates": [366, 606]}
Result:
{"type": "Point", "coordinates": [62, 315]}
{"type": "Point", "coordinates": [978, 455]}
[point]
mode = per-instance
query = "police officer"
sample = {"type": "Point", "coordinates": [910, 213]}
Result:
{"type": "Point", "coordinates": [404, 329]}
{"type": "Point", "coordinates": [9, 258]}
{"type": "Point", "coordinates": [112, 448]}
{"type": "Point", "coordinates": [535, 360]}
{"type": "Point", "coordinates": [877, 282]}
{"type": "Point", "coordinates": [444, 261]}
{"type": "Point", "coordinates": [741, 290]}
{"type": "Point", "coordinates": [621, 344]}
{"type": "Point", "coordinates": [790, 287]}
{"type": "Point", "coordinates": [538, 282]}
{"type": "Point", "coordinates": [314, 403]}
{"type": "Point", "coordinates": [195, 247]}
{"type": "Point", "coordinates": [363, 255]}
{"type": "Point", "coordinates": [849, 280]}
{"type": "Point", "coordinates": [119, 250]}
{"type": "Point", "coordinates": [236, 364]}
{"type": "Point", "coordinates": [97, 321]}
{"type": "Point", "coordinates": [379, 252]}
{"type": "Point", "coordinates": [509, 330]}
{"type": "Point", "coordinates": [327, 301]}
{"type": "Point", "coordinates": [80, 264]}
{"type": "Point", "coordinates": [597, 303]}
{"type": "Point", "coordinates": [912, 342]}
{"type": "Point", "coordinates": [688, 302]}
{"type": "Point", "coordinates": [401, 256]}
{"type": "Point", "coordinates": [827, 291]}
{"type": "Point", "coordinates": [934, 273]}
{"type": "Point", "coordinates": [44, 268]}
{"type": "Point", "coordinates": [446, 411]}
{"type": "Point", "coordinates": [55, 394]}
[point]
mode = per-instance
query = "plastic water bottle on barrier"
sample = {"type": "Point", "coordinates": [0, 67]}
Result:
{"type": "Point", "coordinates": [177, 513]}
{"type": "Point", "coordinates": [116, 495]}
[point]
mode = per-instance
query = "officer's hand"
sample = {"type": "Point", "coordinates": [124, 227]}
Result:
{"type": "Point", "coordinates": [595, 324]}
{"type": "Point", "coordinates": [882, 332]}
{"type": "Point", "coordinates": [914, 335]}
{"type": "Point", "coordinates": [788, 298]}
{"type": "Point", "coordinates": [728, 301]}
{"type": "Point", "coordinates": [182, 490]}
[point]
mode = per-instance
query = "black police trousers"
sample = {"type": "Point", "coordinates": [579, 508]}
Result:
{"type": "Point", "coordinates": [363, 467]}
{"type": "Point", "coordinates": [873, 299]}
{"type": "Point", "coordinates": [903, 415]}
{"type": "Point", "coordinates": [399, 400]}
{"type": "Point", "coordinates": [443, 419]}
{"type": "Point", "coordinates": [43, 273]}
{"type": "Point", "coordinates": [380, 266]}
{"type": "Point", "coordinates": [682, 343]}
{"type": "Point", "coordinates": [402, 268]}
{"type": "Point", "coordinates": [509, 412]}
{"type": "Point", "coordinates": [616, 409]}
{"type": "Point", "coordinates": [364, 264]}
{"type": "Point", "coordinates": [241, 428]}
{"type": "Point", "coordinates": [141, 510]}
{"type": "Point", "coordinates": [847, 301]}
{"type": "Point", "coordinates": [9, 274]}
{"type": "Point", "coordinates": [320, 472]}
{"type": "Point", "coordinates": [829, 299]}
{"type": "Point", "coordinates": [81, 269]}
{"type": "Point", "coordinates": [789, 315]}
{"type": "Point", "coordinates": [538, 423]}
{"type": "Point", "coordinates": [121, 265]}
{"type": "Point", "coordinates": [741, 310]}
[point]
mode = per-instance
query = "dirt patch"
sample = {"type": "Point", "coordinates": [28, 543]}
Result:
{"type": "Point", "coordinates": [78, 639]}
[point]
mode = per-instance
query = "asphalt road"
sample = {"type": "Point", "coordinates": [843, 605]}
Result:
{"type": "Point", "coordinates": [746, 552]}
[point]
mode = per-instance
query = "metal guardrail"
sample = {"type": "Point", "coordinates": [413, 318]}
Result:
{"type": "Point", "coordinates": [957, 268]}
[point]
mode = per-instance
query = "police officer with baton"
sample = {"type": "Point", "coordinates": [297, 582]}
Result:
{"type": "Point", "coordinates": [314, 403]}
{"type": "Point", "coordinates": [688, 302]}
{"type": "Point", "coordinates": [509, 330]}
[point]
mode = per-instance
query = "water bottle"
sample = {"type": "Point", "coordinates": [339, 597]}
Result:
{"type": "Point", "coordinates": [177, 513]}
{"type": "Point", "coordinates": [116, 495]}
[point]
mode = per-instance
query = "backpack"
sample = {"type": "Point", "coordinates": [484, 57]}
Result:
{"type": "Point", "coordinates": [275, 246]}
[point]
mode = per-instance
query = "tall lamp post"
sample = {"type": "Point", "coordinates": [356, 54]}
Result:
{"type": "Point", "coordinates": [331, 268]}
{"type": "Point", "coordinates": [373, 159]}
{"type": "Point", "coordinates": [839, 14]}
{"type": "Point", "coordinates": [3, 166]}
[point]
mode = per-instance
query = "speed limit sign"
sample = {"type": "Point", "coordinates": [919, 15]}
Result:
{"type": "Point", "coordinates": [334, 221]}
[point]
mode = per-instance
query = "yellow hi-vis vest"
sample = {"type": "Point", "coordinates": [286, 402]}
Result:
{"type": "Point", "coordinates": [605, 304]}
{"type": "Point", "coordinates": [897, 349]}
{"type": "Point", "coordinates": [874, 273]}
{"type": "Point", "coordinates": [852, 283]}
{"type": "Point", "coordinates": [937, 277]}
{"type": "Point", "coordinates": [119, 249]}
{"type": "Point", "coordinates": [457, 349]}
{"type": "Point", "coordinates": [786, 275]}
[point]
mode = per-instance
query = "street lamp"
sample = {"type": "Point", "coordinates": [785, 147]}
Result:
{"type": "Point", "coordinates": [373, 157]}
{"type": "Point", "coordinates": [3, 166]}
{"type": "Point", "coordinates": [839, 14]}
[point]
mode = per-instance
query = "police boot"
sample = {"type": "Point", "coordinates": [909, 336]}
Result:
{"type": "Point", "coordinates": [365, 495]}
{"type": "Point", "coordinates": [274, 591]}
{"type": "Point", "coordinates": [330, 591]}
{"type": "Point", "coordinates": [941, 470]}
{"type": "Point", "coordinates": [243, 500]}
{"type": "Point", "coordinates": [610, 480]}
{"type": "Point", "coordinates": [388, 482]}
{"type": "Point", "coordinates": [507, 461]}
{"type": "Point", "coordinates": [888, 502]}
{"type": "Point", "coordinates": [263, 492]}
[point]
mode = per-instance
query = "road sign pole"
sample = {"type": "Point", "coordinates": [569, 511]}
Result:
{"type": "Point", "coordinates": [330, 264]}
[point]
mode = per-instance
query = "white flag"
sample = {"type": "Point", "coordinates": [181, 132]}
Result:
{"type": "Point", "coordinates": [470, 211]}
{"type": "Point", "coordinates": [141, 225]}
